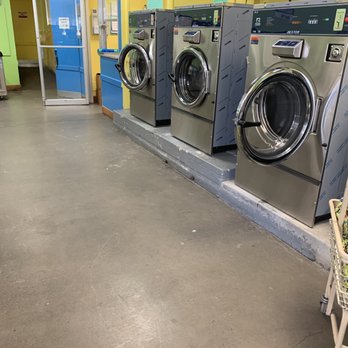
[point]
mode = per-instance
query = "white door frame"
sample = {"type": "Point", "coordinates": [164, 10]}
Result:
{"type": "Point", "coordinates": [40, 47]}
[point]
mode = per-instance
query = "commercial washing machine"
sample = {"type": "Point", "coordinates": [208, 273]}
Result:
{"type": "Point", "coordinates": [145, 62]}
{"type": "Point", "coordinates": [211, 44]}
{"type": "Point", "coordinates": [293, 118]}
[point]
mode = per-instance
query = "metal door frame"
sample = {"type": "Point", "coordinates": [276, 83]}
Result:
{"type": "Point", "coordinates": [177, 84]}
{"type": "Point", "coordinates": [121, 66]}
{"type": "Point", "coordinates": [257, 86]}
{"type": "Point", "coordinates": [86, 71]}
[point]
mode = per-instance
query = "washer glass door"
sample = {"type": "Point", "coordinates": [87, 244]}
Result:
{"type": "Point", "coordinates": [276, 115]}
{"type": "Point", "coordinates": [134, 66]}
{"type": "Point", "coordinates": [191, 77]}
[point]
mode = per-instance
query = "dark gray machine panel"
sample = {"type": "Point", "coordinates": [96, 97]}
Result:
{"type": "Point", "coordinates": [164, 63]}
{"type": "Point", "coordinates": [153, 103]}
{"type": "Point", "coordinates": [194, 17]}
{"type": "Point", "coordinates": [142, 19]}
{"type": "Point", "coordinates": [234, 48]}
{"type": "Point", "coordinates": [310, 20]}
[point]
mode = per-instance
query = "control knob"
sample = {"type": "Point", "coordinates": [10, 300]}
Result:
{"type": "Point", "coordinates": [336, 52]}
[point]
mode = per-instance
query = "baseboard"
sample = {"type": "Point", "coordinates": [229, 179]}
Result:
{"type": "Point", "coordinates": [108, 112]}
{"type": "Point", "coordinates": [96, 100]}
{"type": "Point", "coordinates": [28, 64]}
{"type": "Point", "coordinates": [14, 87]}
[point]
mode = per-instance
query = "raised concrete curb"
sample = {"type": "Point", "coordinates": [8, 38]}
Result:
{"type": "Point", "coordinates": [313, 243]}
{"type": "Point", "coordinates": [216, 174]}
{"type": "Point", "coordinates": [207, 171]}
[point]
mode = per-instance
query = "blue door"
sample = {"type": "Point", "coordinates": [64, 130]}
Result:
{"type": "Point", "coordinates": [61, 34]}
{"type": "Point", "coordinates": [66, 31]}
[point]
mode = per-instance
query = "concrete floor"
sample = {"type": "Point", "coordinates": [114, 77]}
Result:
{"type": "Point", "coordinates": [103, 245]}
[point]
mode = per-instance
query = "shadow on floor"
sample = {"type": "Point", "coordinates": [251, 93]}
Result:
{"type": "Point", "coordinates": [30, 79]}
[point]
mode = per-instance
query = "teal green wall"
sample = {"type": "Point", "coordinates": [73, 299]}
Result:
{"type": "Point", "coordinates": [7, 44]}
{"type": "Point", "coordinates": [155, 4]}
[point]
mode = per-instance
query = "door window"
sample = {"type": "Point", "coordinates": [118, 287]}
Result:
{"type": "Point", "coordinates": [134, 66]}
{"type": "Point", "coordinates": [191, 77]}
{"type": "Point", "coordinates": [276, 117]}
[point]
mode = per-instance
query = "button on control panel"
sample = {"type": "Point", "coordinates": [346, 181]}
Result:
{"type": "Point", "coordinates": [335, 53]}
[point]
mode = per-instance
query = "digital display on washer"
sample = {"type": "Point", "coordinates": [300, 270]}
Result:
{"type": "Point", "coordinates": [142, 20]}
{"type": "Point", "coordinates": [310, 20]}
{"type": "Point", "coordinates": [204, 17]}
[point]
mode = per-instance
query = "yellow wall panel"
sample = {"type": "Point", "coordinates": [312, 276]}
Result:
{"type": "Point", "coordinates": [169, 4]}
{"type": "Point", "coordinates": [136, 5]}
{"type": "Point", "coordinates": [112, 42]}
{"type": "Point", "coordinates": [24, 29]}
{"type": "Point", "coordinates": [94, 45]}
{"type": "Point", "coordinates": [178, 3]}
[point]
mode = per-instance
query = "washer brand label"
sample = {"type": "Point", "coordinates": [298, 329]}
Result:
{"type": "Point", "coordinates": [293, 32]}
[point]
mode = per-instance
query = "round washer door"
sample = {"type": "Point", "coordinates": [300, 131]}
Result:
{"type": "Point", "coordinates": [276, 115]}
{"type": "Point", "coordinates": [191, 77]}
{"type": "Point", "coordinates": [134, 66]}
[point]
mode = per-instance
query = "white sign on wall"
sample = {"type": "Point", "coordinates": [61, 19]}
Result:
{"type": "Point", "coordinates": [114, 18]}
{"type": "Point", "coordinates": [64, 23]}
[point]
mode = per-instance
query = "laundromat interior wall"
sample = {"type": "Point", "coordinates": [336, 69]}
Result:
{"type": "Point", "coordinates": [24, 30]}
{"type": "Point", "coordinates": [112, 42]}
{"type": "Point", "coordinates": [7, 45]}
{"type": "Point", "coordinates": [94, 45]}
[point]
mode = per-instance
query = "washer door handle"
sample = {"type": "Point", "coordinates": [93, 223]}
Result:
{"type": "Point", "coordinates": [118, 67]}
{"type": "Point", "coordinates": [246, 124]}
{"type": "Point", "coordinates": [171, 77]}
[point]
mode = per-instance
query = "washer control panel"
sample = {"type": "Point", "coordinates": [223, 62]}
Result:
{"type": "Point", "coordinates": [207, 17]}
{"type": "Point", "coordinates": [288, 48]}
{"type": "Point", "coordinates": [330, 18]}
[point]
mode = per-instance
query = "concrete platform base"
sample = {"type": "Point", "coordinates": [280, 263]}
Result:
{"type": "Point", "coordinates": [216, 174]}
{"type": "Point", "coordinates": [207, 171]}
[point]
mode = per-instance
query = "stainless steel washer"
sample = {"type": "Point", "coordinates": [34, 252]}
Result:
{"type": "Point", "coordinates": [145, 62]}
{"type": "Point", "coordinates": [293, 118]}
{"type": "Point", "coordinates": [211, 43]}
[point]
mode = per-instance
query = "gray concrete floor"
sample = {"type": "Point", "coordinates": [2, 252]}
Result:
{"type": "Point", "coordinates": [103, 245]}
